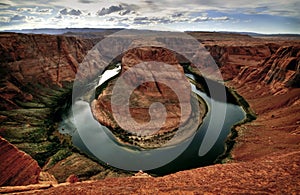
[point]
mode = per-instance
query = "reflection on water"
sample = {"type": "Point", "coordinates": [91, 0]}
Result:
{"type": "Point", "coordinates": [108, 74]}
{"type": "Point", "coordinates": [103, 145]}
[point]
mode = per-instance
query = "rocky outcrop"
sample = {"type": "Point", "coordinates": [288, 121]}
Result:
{"type": "Point", "coordinates": [153, 81]}
{"type": "Point", "coordinates": [231, 59]}
{"type": "Point", "coordinates": [272, 91]}
{"type": "Point", "coordinates": [47, 178]}
{"type": "Point", "coordinates": [280, 70]}
{"type": "Point", "coordinates": [77, 164]}
{"type": "Point", "coordinates": [16, 167]}
{"type": "Point", "coordinates": [149, 92]}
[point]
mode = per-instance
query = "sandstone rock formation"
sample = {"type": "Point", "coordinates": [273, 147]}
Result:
{"type": "Point", "coordinates": [280, 70]}
{"type": "Point", "coordinates": [47, 178]}
{"type": "Point", "coordinates": [271, 175]}
{"type": "Point", "coordinates": [36, 59]}
{"type": "Point", "coordinates": [16, 167]}
{"type": "Point", "coordinates": [149, 92]}
{"type": "Point", "coordinates": [153, 81]}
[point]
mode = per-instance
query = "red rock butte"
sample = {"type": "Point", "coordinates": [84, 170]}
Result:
{"type": "Point", "coordinates": [148, 92]}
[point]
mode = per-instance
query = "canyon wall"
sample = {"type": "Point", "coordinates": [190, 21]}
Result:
{"type": "Point", "coordinates": [36, 81]}
{"type": "Point", "coordinates": [37, 59]}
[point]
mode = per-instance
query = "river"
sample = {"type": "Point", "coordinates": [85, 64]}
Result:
{"type": "Point", "coordinates": [94, 139]}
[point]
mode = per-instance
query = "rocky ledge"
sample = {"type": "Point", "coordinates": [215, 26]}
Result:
{"type": "Point", "coordinates": [160, 78]}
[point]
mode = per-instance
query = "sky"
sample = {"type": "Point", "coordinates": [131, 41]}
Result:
{"type": "Point", "coordinates": [269, 17]}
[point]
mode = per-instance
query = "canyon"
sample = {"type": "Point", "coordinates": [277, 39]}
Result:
{"type": "Point", "coordinates": [36, 78]}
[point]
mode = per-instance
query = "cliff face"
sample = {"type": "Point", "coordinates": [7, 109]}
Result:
{"type": "Point", "coordinates": [279, 70]}
{"type": "Point", "coordinates": [44, 59]}
{"type": "Point", "coordinates": [269, 80]}
{"type": "Point", "coordinates": [231, 59]}
{"type": "Point", "coordinates": [16, 167]}
{"type": "Point", "coordinates": [36, 80]}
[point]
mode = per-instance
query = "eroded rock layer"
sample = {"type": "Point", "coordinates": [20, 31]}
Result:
{"type": "Point", "coordinates": [16, 167]}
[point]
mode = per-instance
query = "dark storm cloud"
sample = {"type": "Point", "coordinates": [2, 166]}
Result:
{"type": "Point", "coordinates": [72, 12]}
{"type": "Point", "coordinates": [178, 14]}
{"type": "Point", "coordinates": [4, 5]}
{"type": "Point", "coordinates": [86, 1]}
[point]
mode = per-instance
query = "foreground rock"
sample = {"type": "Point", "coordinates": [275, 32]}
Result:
{"type": "Point", "coordinates": [271, 175]}
{"type": "Point", "coordinates": [16, 167]}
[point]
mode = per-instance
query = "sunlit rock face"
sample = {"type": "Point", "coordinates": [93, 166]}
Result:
{"type": "Point", "coordinates": [280, 71]}
{"type": "Point", "coordinates": [156, 62]}
{"type": "Point", "coordinates": [17, 167]}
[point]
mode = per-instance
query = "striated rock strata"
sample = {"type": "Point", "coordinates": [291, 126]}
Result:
{"type": "Point", "coordinates": [16, 167]}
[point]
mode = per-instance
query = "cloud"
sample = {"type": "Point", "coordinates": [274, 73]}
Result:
{"type": "Point", "coordinates": [18, 18]}
{"type": "Point", "coordinates": [141, 20]}
{"type": "Point", "coordinates": [71, 12]}
{"type": "Point", "coordinates": [2, 5]}
{"type": "Point", "coordinates": [200, 19]}
{"type": "Point", "coordinates": [45, 11]}
{"type": "Point", "coordinates": [222, 18]}
{"type": "Point", "coordinates": [168, 13]}
{"type": "Point", "coordinates": [4, 19]}
{"type": "Point", "coordinates": [122, 9]}
{"type": "Point", "coordinates": [86, 1]}
{"type": "Point", "coordinates": [206, 18]}
{"type": "Point", "coordinates": [35, 10]}
{"type": "Point", "coordinates": [26, 9]}
{"type": "Point", "coordinates": [111, 9]}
